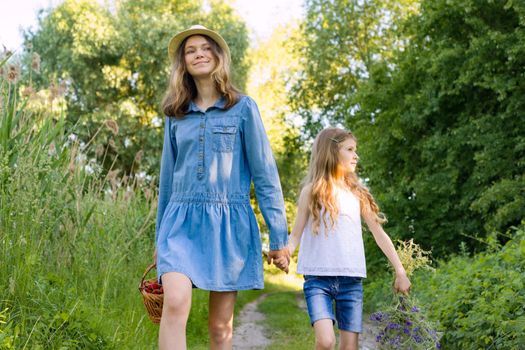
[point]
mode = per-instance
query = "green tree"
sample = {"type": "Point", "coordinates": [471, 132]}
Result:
{"type": "Point", "coordinates": [434, 93]}
{"type": "Point", "coordinates": [115, 66]}
{"type": "Point", "coordinates": [343, 39]}
{"type": "Point", "coordinates": [447, 123]}
{"type": "Point", "coordinates": [273, 67]}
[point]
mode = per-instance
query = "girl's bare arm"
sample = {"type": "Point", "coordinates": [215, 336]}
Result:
{"type": "Point", "coordinates": [301, 219]}
{"type": "Point", "coordinates": [401, 283]}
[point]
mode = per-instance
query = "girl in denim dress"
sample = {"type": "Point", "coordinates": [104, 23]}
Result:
{"type": "Point", "coordinates": [206, 233]}
{"type": "Point", "coordinates": [331, 254]}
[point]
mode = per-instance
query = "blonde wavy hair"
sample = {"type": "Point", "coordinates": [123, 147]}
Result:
{"type": "Point", "coordinates": [325, 173]}
{"type": "Point", "coordinates": [182, 89]}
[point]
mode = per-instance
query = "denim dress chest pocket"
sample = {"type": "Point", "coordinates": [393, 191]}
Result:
{"type": "Point", "coordinates": [224, 133]}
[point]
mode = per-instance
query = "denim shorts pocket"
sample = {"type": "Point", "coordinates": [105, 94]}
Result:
{"type": "Point", "coordinates": [223, 138]}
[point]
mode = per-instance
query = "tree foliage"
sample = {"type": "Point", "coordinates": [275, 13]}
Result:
{"type": "Point", "coordinates": [438, 111]}
{"type": "Point", "coordinates": [342, 41]}
{"type": "Point", "coordinates": [116, 67]}
{"type": "Point", "coordinates": [447, 123]}
{"type": "Point", "coordinates": [274, 66]}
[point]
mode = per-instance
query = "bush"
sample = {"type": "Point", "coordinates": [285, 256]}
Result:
{"type": "Point", "coordinates": [479, 300]}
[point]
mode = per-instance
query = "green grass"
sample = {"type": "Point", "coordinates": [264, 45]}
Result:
{"type": "Point", "coordinates": [73, 245]}
{"type": "Point", "coordinates": [287, 325]}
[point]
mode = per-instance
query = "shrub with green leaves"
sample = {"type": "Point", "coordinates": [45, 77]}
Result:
{"type": "Point", "coordinates": [479, 301]}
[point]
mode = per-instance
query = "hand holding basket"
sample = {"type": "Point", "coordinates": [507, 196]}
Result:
{"type": "Point", "coordinates": [152, 295]}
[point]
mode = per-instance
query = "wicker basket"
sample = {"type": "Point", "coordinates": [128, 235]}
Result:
{"type": "Point", "coordinates": [151, 296]}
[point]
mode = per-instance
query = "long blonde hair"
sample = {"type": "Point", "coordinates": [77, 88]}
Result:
{"type": "Point", "coordinates": [182, 88]}
{"type": "Point", "coordinates": [325, 173]}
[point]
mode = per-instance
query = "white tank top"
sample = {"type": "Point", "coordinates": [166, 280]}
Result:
{"type": "Point", "coordinates": [338, 251]}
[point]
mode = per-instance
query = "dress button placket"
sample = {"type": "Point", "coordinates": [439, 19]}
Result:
{"type": "Point", "coordinates": [200, 162]}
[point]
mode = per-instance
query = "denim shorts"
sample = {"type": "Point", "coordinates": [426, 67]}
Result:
{"type": "Point", "coordinates": [320, 293]}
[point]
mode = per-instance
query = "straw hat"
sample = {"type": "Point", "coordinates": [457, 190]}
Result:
{"type": "Point", "coordinates": [197, 29]}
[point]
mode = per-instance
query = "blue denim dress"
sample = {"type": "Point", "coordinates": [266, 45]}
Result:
{"type": "Point", "coordinates": [206, 228]}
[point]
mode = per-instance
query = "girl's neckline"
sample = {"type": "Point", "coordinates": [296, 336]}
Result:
{"type": "Point", "coordinates": [205, 107]}
{"type": "Point", "coordinates": [345, 189]}
{"type": "Point", "coordinates": [219, 103]}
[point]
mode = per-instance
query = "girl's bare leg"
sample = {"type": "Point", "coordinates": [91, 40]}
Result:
{"type": "Point", "coordinates": [324, 334]}
{"type": "Point", "coordinates": [220, 320]}
{"type": "Point", "coordinates": [349, 340]}
{"type": "Point", "coordinates": [175, 311]}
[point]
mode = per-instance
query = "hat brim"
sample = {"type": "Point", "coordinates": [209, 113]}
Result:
{"type": "Point", "coordinates": [178, 38]}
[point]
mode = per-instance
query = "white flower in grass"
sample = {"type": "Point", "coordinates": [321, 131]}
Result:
{"type": "Point", "coordinates": [88, 169]}
{"type": "Point", "coordinates": [72, 137]}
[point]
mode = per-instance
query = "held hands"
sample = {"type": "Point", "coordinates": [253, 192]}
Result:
{"type": "Point", "coordinates": [402, 283]}
{"type": "Point", "coordinates": [280, 258]}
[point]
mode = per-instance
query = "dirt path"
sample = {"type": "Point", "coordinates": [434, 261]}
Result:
{"type": "Point", "coordinates": [366, 339]}
{"type": "Point", "coordinates": [249, 333]}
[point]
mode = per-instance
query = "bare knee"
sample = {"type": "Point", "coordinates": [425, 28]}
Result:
{"type": "Point", "coordinates": [176, 308]}
{"type": "Point", "coordinates": [220, 332]}
{"type": "Point", "coordinates": [325, 342]}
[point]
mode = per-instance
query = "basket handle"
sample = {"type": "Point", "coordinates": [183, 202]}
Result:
{"type": "Point", "coordinates": [148, 269]}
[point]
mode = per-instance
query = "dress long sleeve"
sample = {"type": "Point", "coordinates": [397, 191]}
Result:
{"type": "Point", "coordinates": [169, 154]}
{"type": "Point", "coordinates": [265, 176]}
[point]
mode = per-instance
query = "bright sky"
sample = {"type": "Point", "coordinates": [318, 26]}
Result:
{"type": "Point", "coordinates": [260, 15]}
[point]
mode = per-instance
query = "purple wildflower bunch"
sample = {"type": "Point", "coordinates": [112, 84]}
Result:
{"type": "Point", "coordinates": [404, 326]}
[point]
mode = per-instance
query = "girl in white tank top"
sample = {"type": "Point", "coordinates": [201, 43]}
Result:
{"type": "Point", "coordinates": [328, 226]}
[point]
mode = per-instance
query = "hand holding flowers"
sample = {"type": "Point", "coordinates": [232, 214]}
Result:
{"type": "Point", "coordinates": [402, 324]}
